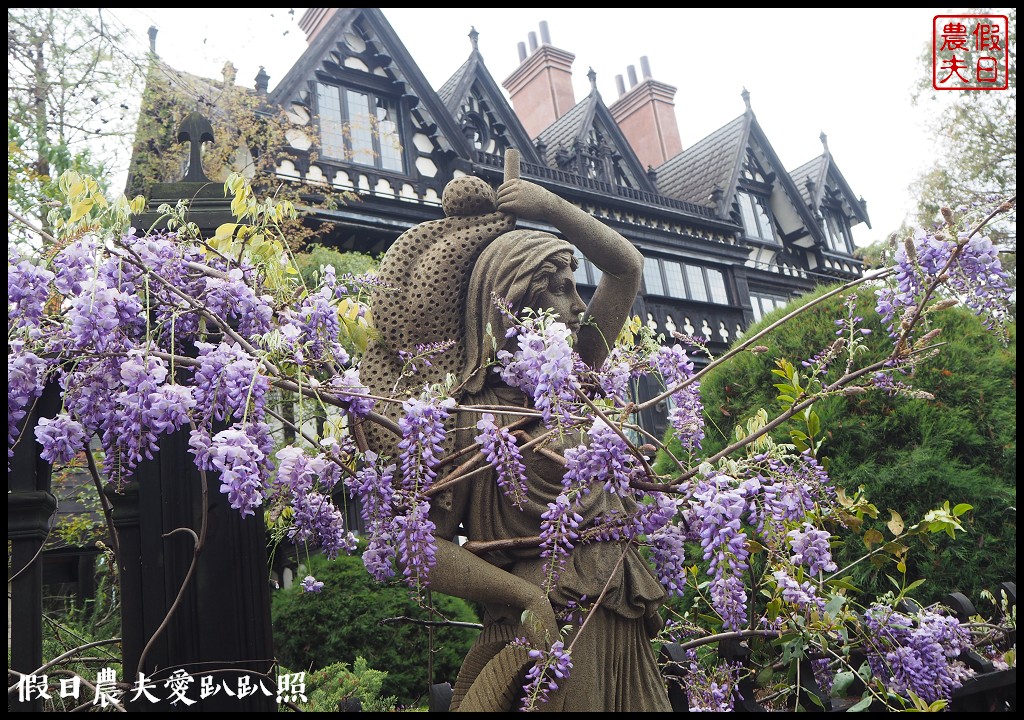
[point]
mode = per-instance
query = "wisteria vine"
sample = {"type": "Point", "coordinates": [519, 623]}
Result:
{"type": "Point", "coordinates": [147, 335]}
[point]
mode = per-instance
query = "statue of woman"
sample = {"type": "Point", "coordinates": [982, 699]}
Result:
{"type": "Point", "coordinates": [613, 665]}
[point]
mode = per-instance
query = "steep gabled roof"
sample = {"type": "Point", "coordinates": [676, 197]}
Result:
{"type": "Point", "coordinates": [814, 170]}
{"type": "Point", "coordinates": [825, 175]}
{"type": "Point", "coordinates": [575, 127]}
{"type": "Point", "coordinates": [713, 162]}
{"type": "Point", "coordinates": [390, 60]}
{"type": "Point", "coordinates": [708, 173]}
{"type": "Point", "coordinates": [785, 182]}
{"type": "Point", "coordinates": [474, 80]}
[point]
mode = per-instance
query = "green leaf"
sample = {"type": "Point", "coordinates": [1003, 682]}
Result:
{"type": "Point", "coordinates": [842, 682]}
{"type": "Point", "coordinates": [961, 509]}
{"type": "Point", "coordinates": [843, 583]}
{"type": "Point", "coordinates": [863, 705]}
{"type": "Point", "coordinates": [80, 209]}
{"type": "Point", "coordinates": [813, 424]}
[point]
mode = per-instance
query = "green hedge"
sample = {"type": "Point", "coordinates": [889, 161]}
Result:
{"type": "Point", "coordinates": [343, 622]}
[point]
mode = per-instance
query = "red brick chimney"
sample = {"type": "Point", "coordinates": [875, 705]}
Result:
{"type": "Point", "coordinates": [313, 21]}
{"type": "Point", "coordinates": [541, 87]}
{"type": "Point", "coordinates": [647, 116]}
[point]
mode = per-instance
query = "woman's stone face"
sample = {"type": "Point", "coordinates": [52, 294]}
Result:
{"type": "Point", "coordinates": [561, 297]}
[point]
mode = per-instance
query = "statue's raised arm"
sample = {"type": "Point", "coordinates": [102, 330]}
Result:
{"type": "Point", "coordinates": [620, 262]}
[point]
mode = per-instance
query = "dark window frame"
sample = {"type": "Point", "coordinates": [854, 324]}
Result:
{"type": "Point", "coordinates": [709, 290]}
{"type": "Point", "coordinates": [837, 229]}
{"type": "Point", "coordinates": [396, 162]}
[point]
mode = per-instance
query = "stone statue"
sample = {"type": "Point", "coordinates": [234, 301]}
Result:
{"type": "Point", "coordinates": [445, 273]}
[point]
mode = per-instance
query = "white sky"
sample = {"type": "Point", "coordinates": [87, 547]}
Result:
{"type": "Point", "coordinates": [846, 72]}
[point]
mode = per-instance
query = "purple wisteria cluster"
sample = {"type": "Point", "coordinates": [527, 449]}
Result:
{"type": "Point", "coordinates": [687, 413]}
{"type": "Point", "coordinates": [550, 668]}
{"type": "Point", "coordinates": [397, 514]}
{"type": "Point", "coordinates": [501, 451]}
{"type": "Point", "coordinates": [544, 367]}
{"type": "Point", "coordinates": [971, 267]}
{"type": "Point", "coordinates": [148, 335]}
{"type": "Point", "coordinates": [711, 688]}
{"type": "Point", "coordinates": [373, 485]}
{"type": "Point", "coordinates": [26, 373]}
{"type": "Point", "coordinates": [306, 483]}
{"type": "Point", "coordinates": [916, 656]}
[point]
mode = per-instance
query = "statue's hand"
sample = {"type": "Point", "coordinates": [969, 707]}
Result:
{"type": "Point", "coordinates": [540, 623]}
{"type": "Point", "coordinates": [526, 200]}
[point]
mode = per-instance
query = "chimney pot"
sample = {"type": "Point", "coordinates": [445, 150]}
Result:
{"type": "Point", "coordinates": [533, 41]}
{"type": "Point", "coordinates": [545, 36]}
{"type": "Point", "coordinates": [645, 67]}
{"type": "Point", "coordinates": [262, 81]}
{"type": "Point", "coordinates": [620, 85]}
{"type": "Point", "coordinates": [522, 51]}
{"type": "Point", "coordinates": [631, 71]}
{"type": "Point", "coordinates": [152, 39]}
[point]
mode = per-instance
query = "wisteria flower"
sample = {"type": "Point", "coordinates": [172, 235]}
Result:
{"type": "Point", "coordinates": [311, 585]}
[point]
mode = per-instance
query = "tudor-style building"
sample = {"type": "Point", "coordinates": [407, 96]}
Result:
{"type": "Point", "coordinates": [727, 232]}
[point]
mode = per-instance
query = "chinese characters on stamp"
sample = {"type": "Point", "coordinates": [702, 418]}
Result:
{"type": "Point", "coordinates": [970, 52]}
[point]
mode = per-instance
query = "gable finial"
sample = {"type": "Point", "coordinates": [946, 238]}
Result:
{"type": "Point", "coordinates": [593, 79]}
{"type": "Point", "coordinates": [473, 35]}
{"type": "Point", "coordinates": [716, 194]}
{"type": "Point", "coordinates": [746, 97]}
{"type": "Point", "coordinates": [824, 140]}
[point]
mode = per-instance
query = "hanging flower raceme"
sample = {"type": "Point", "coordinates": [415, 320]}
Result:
{"type": "Point", "coordinates": [550, 668]}
{"type": "Point", "coordinates": [350, 388]}
{"type": "Point", "coordinates": [975, 277]}
{"type": "Point", "coordinates": [687, 413]}
{"type": "Point", "coordinates": [718, 511]}
{"type": "Point", "coordinates": [811, 548]}
{"type": "Point", "coordinates": [372, 485]}
{"type": "Point", "coordinates": [228, 383]}
{"type": "Point", "coordinates": [144, 409]}
{"type": "Point", "coordinates": [544, 367]}
{"type": "Point", "coordinates": [501, 451]}
{"type": "Point", "coordinates": [26, 374]}
{"type": "Point", "coordinates": [240, 462]}
{"type": "Point", "coordinates": [918, 657]}
{"type": "Point", "coordinates": [315, 518]}
{"type": "Point", "coordinates": [28, 287]}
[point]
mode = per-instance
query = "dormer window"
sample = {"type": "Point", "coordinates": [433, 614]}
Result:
{"type": "Point", "coordinates": [755, 187]}
{"type": "Point", "coordinates": [756, 217]}
{"type": "Point", "coordinates": [359, 127]}
{"type": "Point", "coordinates": [837, 230]}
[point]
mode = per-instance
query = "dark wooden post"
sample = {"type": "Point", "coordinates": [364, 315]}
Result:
{"type": "Point", "coordinates": [221, 625]}
{"type": "Point", "coordinates": [30, 509]}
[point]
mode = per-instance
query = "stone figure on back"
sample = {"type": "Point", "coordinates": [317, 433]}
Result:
{"type": "Point", "coordinates": [445, 278]}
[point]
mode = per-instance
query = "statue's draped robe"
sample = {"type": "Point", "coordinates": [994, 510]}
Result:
{"type": "Point", "coordinates": [614, 667]}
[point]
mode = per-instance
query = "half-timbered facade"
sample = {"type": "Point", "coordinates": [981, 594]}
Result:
{"type": "Point", "coordinates": [727, 232]}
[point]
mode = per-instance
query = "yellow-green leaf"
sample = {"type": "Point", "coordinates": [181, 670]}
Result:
{"type": "Point", "coordinates": [872, 537]}
{"type": "Point", "coordinates": [80, 209]}
{"type": "Point", "coordinates": [895, 523]}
